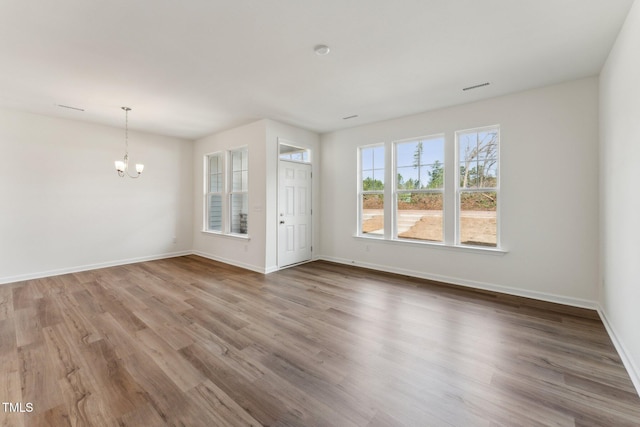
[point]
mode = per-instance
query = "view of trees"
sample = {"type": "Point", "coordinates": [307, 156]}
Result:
{"type": "Point", "coordinates": [478, 154]}
{"type": "Point", "coordinates": [435, 180]}
{"type": "Point", "coordinates": [478, 160]}
{"type": "Point", "coordinates": [370, 184]}
{"type": "Point", "coordinates": [419, 188]}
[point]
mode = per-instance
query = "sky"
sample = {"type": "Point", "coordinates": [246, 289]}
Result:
{"type": "Point", "coordinates": [433, 148]}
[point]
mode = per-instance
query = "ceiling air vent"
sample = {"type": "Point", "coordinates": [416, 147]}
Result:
{"type": "Point", "coordinates": [71, 108]}
{"type": "Point", "coordinates": [476, 86]}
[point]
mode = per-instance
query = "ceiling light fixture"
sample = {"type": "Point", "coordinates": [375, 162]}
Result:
{"type": "Point", "coordinates": [122, 166]}
{"type": "Point", "coordinates": [321, 50]}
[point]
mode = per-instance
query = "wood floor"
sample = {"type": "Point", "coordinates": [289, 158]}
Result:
{"type": "Point", "coordinates": [192, 342]}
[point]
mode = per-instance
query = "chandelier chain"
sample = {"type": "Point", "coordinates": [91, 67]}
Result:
{"type": "Point", "coordinates": [126, 131]}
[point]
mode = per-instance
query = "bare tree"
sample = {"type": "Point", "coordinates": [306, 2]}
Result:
{"type": "Point", "coordinates": [485, 146]}
{"type": "Point", "coordinates": [417, 162]}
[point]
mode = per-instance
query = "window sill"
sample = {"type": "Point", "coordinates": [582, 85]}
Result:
{"type": "Point", "coordinates": [228, 235]}
{"type": "Point", "coordinates": [439, 245]}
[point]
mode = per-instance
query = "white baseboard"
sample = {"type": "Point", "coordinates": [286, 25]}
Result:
{"type": "Point", "coordinates": [632, 368]}
{"type": "Point", "coordinates": [559, 299]}
{"type": "Point", "coordinates": [77, 269]}
{"type": "Point", "coordinates": [246, 266]}
{"type": "Point", "coordinates": [271, 269]}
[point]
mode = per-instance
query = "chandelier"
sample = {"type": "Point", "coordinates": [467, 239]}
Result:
{"type": "Point", "coordinates": [122, 166]}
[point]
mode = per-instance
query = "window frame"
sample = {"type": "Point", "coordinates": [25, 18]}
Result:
{"type": "Point", "coordinates": [450, 190]}
{"type": "Point", "coordinates": [231, 192]}
{"type": "Point", "coordinates": [362, 192]}
{"type": "Point", "coordinates": [208, 192]}
{"type": "Point", "coordinates": [460, 190]}
{"type": "Point", "coordinates": [226, 192]}
{"type": "Point", "coordinates": [396, 192]}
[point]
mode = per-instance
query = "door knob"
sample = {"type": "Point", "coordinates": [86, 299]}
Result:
{"type": "Point", "coordinates": [281, 222]}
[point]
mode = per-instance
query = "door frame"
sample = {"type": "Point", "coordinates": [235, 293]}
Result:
{"type": "Point", "coordinates": [282, 141]}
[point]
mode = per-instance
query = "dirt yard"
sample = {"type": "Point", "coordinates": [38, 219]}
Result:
{"type": "Point", "coordinates": [478, 221]}
{"type": "Point", "coordinates": [475, 229]}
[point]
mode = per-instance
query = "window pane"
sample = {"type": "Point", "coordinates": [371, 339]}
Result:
{"type": "Point", "coordinates": [420, 216]}
{"type": "Point", "coordinates": [215, 174]}
{"type": "Point", "coordinates": [239, 174]}
{"type": "Point", "coordinates": [239, 160]}
{"type": "Point", "coordinates": [298, 154]}
{"type": "Point", "coordinates": [214, 211]}
{"type": "Point", "coordinates": [214, 164]}
{"type": "Point", "coordinates": [478, 155]}
{"type": "Point", "coordinates": [478, 225]}
{"type": "Point", "coordinates": [420, 164]}
{"type": "Point", "coordinates": [236, 160]}
{"type": "Point", "coordinates": [239, 203]}
{"type": "Point", "coordinates": [373, 214]}
{"type": "Point", "coordinates": [236, 181]}
{"type": "Point", "coordinates": [367, 158]}
{"type": "Point", "coordinates": [244, 160]}
{"type": "Point", "coordinates": [245, 180]}
{"type": "Point", "coordinates": [215, 183]}
{"type": "Point", "coordinates": [378, 157]}
{"type": "Point", "coordinates": [372, 163]}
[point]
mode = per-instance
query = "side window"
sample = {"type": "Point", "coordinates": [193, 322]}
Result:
{"type": "Point", "coordinates": [371, 191]}
{"type": "Point", "coordinates": [419, 189]}
{"type": "Point", "coordinates": [238, 190]}
{"type": "Point", "coordinates": [478, 188]}
{"type": "Point", "coordinates": [214, 192]}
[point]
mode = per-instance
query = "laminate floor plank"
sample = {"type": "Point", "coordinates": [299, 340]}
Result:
{"type": "Point", "coordinates": [175, 367]}
{"type": "Point", "coordinates": [265, 407]}
{"type": "Point", "coordinates": [192, 342]}
{"type": "Point", "coordinates": [170, 328]}
{"type": "Point", "coordinates": [25, 295]}
{"type": "Point", "coordinates": [77, 323]}
{"type": "Point", "coordinates": [38, 378]}
{"type": "Point", "coordinates": [75, 380]}
{"type": "Point", "coordinates": [6, 302]}
{"type": "Point", "coordinates": [10, 388]}
{"type": "Point", "coordinates": [114, 305]}
{"type": "Point", "coordinates": [220, 408]}
{"type": "Point", "coordinates": [28, 329]}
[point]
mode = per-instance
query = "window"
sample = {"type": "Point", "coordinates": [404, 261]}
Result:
{"type": "Point", "coordinates": [295, 154]}
{"type": "Point", "coordinates": [238, 191]}
{"type": "Point", "coordinates": [226, 192]}
{"type": "Point", "coordinates": [371, 191]}
{"type": "Point", "coordinates": [419, 189]}
{"type": "Point", "coordinates": [478, 186]}
{"type": "Point", "coordinates": [434, 198]}
{"type": "Point", "coordinates": [215, 188]}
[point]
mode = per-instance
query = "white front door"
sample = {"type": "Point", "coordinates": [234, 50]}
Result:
{"type": "Point", "coordinates": [294, 213]}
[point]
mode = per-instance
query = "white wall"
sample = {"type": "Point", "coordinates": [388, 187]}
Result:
{"type": "Point", "coordinates": [549, 191]}
{"type": "Point", "coordinates": [248, 253]}
{"type": "Point", "coordinates": [620, 203]}
{"type": "Point", "coordinates": [63, 207]}
{"type": "Point", "coordinates": [299, 138]}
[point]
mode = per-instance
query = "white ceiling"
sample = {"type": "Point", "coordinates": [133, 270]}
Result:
{"type": "Point", "coordinates": [195, 67]}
